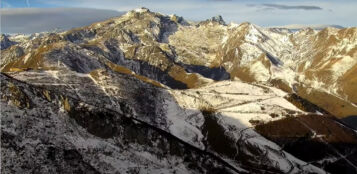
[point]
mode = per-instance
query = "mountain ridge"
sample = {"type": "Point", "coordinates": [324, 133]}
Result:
{"type": "Point", "coordinates": [203, 83]}
{"type": "Point", "coordinates": [296, 27]}
{"type": "Point", "coordinates": [170, 42]}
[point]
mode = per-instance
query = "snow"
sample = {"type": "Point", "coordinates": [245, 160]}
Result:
{"type": "Point", "coordinates": [250, 53]}
{"type": "Point", "coordinates": [261, 73]}
{"type": "Point", "coordinates": [141, 10]}
{"type": "Point", "coordinates": [238, 103]}
{"type": "Point", "coordinates": [224, 39]}
{"type": "Point", "coordinates": [285, 161]}
{"type": "Point", "coordinates": [232, 25]}
{"type": "Point", "coordinates": [244, 118]}
{"type": "Point", "coordinates": [179, 126]}
{"type": "Point", "coordinates": [284, 73]}
{"type": "Point", "coordinates": [253, 35]}
{"type": "Point", "coordinates": [238, 100]}
{"type": "Point", "coordinates": [281, 103]}
{"type": "Point", "coordinates": [53, 73]}
{"type": "Point", "coordinates": [344, 64]}
{"type": "Point", "coordinates": [27, 57]}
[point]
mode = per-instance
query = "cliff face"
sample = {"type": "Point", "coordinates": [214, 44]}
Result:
{"type": "Point", "coordinates": [150, 93]}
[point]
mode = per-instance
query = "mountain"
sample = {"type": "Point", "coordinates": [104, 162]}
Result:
{"type": "Point", "coordinates": [297, 27]}
{"type": "Point", "coordinates": [5, 42]}
{"type": "Point", "coordinates": [152, 93]}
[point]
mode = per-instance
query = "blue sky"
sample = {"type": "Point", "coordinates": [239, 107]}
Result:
{"type": "Point", "coordinates": [260, 12]}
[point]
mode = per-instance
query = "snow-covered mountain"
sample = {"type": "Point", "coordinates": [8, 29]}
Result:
{"type": "Point", "coordinates": [152, 93]}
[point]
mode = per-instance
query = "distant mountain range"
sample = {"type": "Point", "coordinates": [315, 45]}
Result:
{"type": "Point", "coordinates": [296, 27]}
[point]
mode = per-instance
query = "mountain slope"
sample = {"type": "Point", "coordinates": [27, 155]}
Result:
{"type": "Point", "coordinates": [99, 122]}
{"type": "Point", "coordinates": [166, 95]}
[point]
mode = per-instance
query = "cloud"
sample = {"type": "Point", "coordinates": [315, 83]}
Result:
{"type": "Point", "coordinates": [31, 20]}
{"type": "Point", "coordinates": [291, 7]}
{"type": "Point", "coordinates": [264, 7]}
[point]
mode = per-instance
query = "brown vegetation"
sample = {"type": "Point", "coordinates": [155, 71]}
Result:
{"type": "Point", "coordinates": [301, 126]}
{"type": "Point", "coordinates": [334, 105]}
{"type": "Point", "coordinates": [123, 70]}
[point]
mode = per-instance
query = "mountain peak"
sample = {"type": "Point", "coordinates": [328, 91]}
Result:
{"type": "Point", "coordinates": [215, 19]}
{"type": "Point", "coordinates": [142, 10]}
{"type": "Point", "coordinates": [218, 19]}
{"type": "Point", "coordinates": [138, 11]}
{"type": "Point", "coordinates": [5, 42]}
{"type": "Point", "coordinates": [178, 19]}
{"type": "Point", "coordinates": [296, 27]}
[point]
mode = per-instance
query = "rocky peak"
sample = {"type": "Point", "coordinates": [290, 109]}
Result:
{"type": "Point", "coordinates": [218, 19]}
{"type": "Point", "coordinates": [5, 42]}
{"type": "Point", "coordinates": [214, 20]}
{"type": "Point", "coordinates": [178, 19]}
{"type": "Point", "coordinates": [142, 10]}
{"type": "Point", "coordinates": [307, 31]}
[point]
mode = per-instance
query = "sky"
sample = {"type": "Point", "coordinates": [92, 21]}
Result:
{"type": "Point", "coordinates": [260, 12]}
